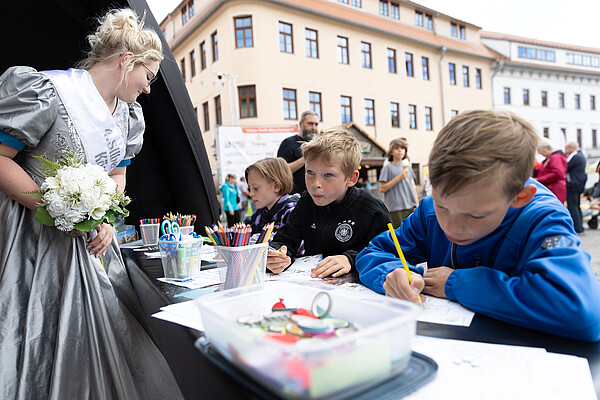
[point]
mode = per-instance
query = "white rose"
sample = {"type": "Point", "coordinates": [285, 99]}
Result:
{"type": "Point", "coordinates": [50, 183]}
{"type": "Point", "coordinates": [63, 225]}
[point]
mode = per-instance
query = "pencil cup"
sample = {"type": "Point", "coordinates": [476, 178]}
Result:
{"type": "Point", "coordinates": [180, 258]}
{"type": "Point", "coordinates": [242, 266]}
{"type": "Point", "coordinates": [149, 233]}
{"type": "Point", "coordinates": [186, 230]}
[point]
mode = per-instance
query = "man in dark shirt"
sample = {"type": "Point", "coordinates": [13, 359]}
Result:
{"type": "Point", "coordinates": [576, 178]}
{"type": "Point", "coordinates": [289, 149]}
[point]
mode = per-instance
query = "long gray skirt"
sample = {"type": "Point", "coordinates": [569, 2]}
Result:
{"type": "Point", "coordinates": [67, 330]}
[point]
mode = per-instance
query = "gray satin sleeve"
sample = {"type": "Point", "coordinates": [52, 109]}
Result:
{"type": "Point", "coordinates": [28, 104]}
{"type": "Point", "coordinates": [135, 134]}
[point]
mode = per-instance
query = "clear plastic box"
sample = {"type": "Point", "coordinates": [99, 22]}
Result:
{"type": "Point", "coordinates": [180, 259]}
{"type": "Point", "coordinates": [312, 368]}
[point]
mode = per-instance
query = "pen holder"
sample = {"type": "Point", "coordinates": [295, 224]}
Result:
{"type": "Point", "coordinates": [149, 233]}
{"type": "Point", "coordinates": [242, 266]}
{"type": "Point", "coordinates": [180, 258]}
{"type": "Point", "coordinates": [186, 230]}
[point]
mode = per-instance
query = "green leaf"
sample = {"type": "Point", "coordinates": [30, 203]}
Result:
{"type": "Point", "coordinates": [42, 216]}
{"type": "Point", "coordinates": [87, 225]}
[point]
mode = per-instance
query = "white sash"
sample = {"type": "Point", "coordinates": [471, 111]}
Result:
{"type": "Point", "coordinates": [101, 136]}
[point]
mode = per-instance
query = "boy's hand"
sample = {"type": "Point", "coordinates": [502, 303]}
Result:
{"type": "Point", "coordinates": [278, 260]}
{"type": "Point", "coordinates": [336, 265]}
{"type": "Point", "coordinates": [396, 285]}
{"type": "Point", "coordinates": [435, 281]}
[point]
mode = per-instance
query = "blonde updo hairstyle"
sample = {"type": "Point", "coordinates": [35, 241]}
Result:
{"type": "Point", "coordinates": [120, 31]}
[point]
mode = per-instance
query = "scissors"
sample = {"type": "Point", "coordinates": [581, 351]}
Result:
{"type": "Point", "coordinates": [171, 230]}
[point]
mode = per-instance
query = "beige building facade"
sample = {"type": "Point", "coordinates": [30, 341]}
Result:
{"type": "Point", "coordinates": [394, 68]}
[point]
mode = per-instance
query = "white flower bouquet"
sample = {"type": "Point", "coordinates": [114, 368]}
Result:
{"type": "Point", "coordinates": [77, 196]}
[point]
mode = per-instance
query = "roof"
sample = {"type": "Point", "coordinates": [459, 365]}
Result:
{"type": "Point", "coordinates": [536, 42]}
{"type": "Point", "coordinates": [356, 17]}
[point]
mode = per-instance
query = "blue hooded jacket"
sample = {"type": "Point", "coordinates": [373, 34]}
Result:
{"type": "Point", "coordinates": [529, 272]}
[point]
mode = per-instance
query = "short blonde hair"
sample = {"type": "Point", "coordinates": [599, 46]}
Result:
{"type": "Point", "coordinates": [274, 170]}
{"type": "Point", "coordinates": [120, 31]}
{"type": "Point", "coordinates": [334, 145]}
{"type": "Point", "coordinates": [483, 146]}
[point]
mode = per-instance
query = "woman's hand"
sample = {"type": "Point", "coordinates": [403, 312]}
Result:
{"type": "Point", "coordinates": [101, 242]}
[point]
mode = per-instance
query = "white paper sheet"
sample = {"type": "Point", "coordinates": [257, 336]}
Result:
{"type": "Point", "coordinates": [206, 277]}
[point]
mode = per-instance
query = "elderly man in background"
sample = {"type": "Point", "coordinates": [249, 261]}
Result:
{"type": "Point", "coordinates": [289, 149]}
{"type": "Point", "coordinates": [576, 178]}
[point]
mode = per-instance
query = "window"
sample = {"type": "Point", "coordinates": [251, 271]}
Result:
{"type": "Point", "coordinates": [182, 63]}
{"type": "Point", "coordinates": [365, 51]}
{"type": "Point", "coordinates": [579, 136]}
{"type": "Point", "coordinates": [206, 120]}
{"type": "Point", "coordinates": [452, 73]}
{"type": "Point", "coordinates": [357, 3]}
{"type": "Point", "coordinates": [289, 104]}
{"type": "Point", "coordinates": [583, 60]}
{"type": "Point", "coordinates": [286, 44]}
{"type": "Point", "coordinates": [344, 1]}
{"type": "Point", "coordinates": [561, 100]}
{"type": "Point", "coordinates": [391, 56]}
{"type": "Point", "coordinates": [544, 98]}
{"type": "Point", "coordinates": [478, 84]}
{"type": "Point", "coordinates": [428, 119]}
{"type": "Point", "coordinates": [412, 116]}
{"type": "Point", "coordinates": [243, 32]}
{"type": "Point", "coordinates": [342, 50]}
{"type": "Point", "coordinates": [193, 63]}
{"type": "Point", "coordinates": [218, 116]}
{"type": "Point", "coordinates": [577, 102]}
{"type": "Point", "coordinates": [409, 64]}
{"type": "Point", "coordinates": [369, 112]}
{"type": "Point", "coordinates": [202, 56]}
{"type": "Point", "coordinates": [394, 11]}
{"type": "Point", "coordinates": [418, 18]}
{"type": "Point", "coordinates": [564, 132]}
{"type": "Point", "coordinates": [546, 132]}
{"type": "Point", "coordinates": [383, 7]}
{"type": "Point", "coordinates": [463, 32]}
{"type": "Point", "coordinates": [592, 102]}
{"type": "Point", "coordinates": [425, 68]}
{"type": "Point", "coordinates": [312, 43]}
{"type": "Point", "coordinates": [247, 96]}
{"type": "Point", "coordinates": [314, 103]}
{"type": "Point", "coordinates": [428, 22]}
{"type": "Point", "coordinates": [506, 95]}
{"type": "Point", "coordinates": [594, 138]}
{"type": "Point", "coordinates": [187, 12]}
{"type": "Point", "coordinates": [536, 54]}
{"type": "Point", "coordinates": [453, 29]}
{"type": "Point", "coordinates": [465, 70]}
{"type": "Point", "coordinates": [214, 38]}
{"type": "Point", "coordinates": [395, 114]}
{"type": "Point", "coordinates": [346, 108]}
{"type": "Point", "coordinates": [525, 97]}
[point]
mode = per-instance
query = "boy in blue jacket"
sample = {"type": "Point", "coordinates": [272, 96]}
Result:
{"type": "Point", "coordinates": [495, 240]}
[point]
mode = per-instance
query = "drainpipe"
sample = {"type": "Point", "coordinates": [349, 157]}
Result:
{"type": "Point", "coordinates": [443, 51]}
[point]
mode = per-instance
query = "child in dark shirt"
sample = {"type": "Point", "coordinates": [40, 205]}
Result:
{"type": "Point", "coordinates": [333, 217]}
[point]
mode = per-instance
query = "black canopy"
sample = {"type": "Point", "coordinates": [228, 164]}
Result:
{"type": "Point", "coordinates": [172, 172]}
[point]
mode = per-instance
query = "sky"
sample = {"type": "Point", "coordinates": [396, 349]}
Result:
{"type": "Point", "coordinates": [571, 22]}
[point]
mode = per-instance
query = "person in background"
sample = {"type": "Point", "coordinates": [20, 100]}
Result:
{"type": "Point", "coordinates": [576, 178]}
{"type": "Point", "coordinates": [397, 182]}
{"type": "Point", "coordinates": [70, 319]}
{"type": "Point", "coordinates": [270, 182]}
{"type": "Point", "coordinates": [552, 172]}
{"type": "Point", "coordinates": [243, 195]}
{"type": "Point", "coordinates": [230, 194]}
{"type": "Point", "coordinates": [289, 149]}
{"type": "Point", "coordinates": [332, 217]}
{"type": "Point", "coordinates": [494, 239]}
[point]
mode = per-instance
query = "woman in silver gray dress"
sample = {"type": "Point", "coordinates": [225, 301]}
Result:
{"type": "Point", "coordinates": [66, 327]}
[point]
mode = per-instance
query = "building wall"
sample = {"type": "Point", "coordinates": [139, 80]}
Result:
{"type": "Point", "coordinates": [271, 70]}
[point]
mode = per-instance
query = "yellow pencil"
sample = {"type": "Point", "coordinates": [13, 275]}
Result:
{"type": "Point", "coordinates": [401, 255]}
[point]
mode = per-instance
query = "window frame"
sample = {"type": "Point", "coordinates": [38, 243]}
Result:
{"type": "Point", "coordinates": [346, 110]}
{"type": "Point", "coordinates": [428, 118]}
{"type": "Point", "coordinates": [218, 110]}
{"type": "Point", "coordinates": [290, 104]}
{"type": "Point", "coordinates": [395, 114]}
{"type": "Point", "coordinates": [409, 64]}
{"type": "Point", "coordinates": [365, 55]}
{"type": "Point", "coordinates": [452, 73]}
{"type": "Point", "coordinates": [316, 106]}
{"type": "Point", "coordinates": [214, 39]}
{"type": "Point", "coordinates": [193, 63]}
{"type": "Point", "coordinates": [369, 105]}
{"type": "Point", "coordinates": [412, 116]}
{"type": "Point", "coordinates": [248, 99]}
{"type": "Point", "coordinates": [286, 39]}
{"type": "Point", "coordinates": [465, 74]}
{"type": "Point", "coordinates": [391, 61]}
{"type": "Point", "coordinates": [425, 67]}
{"type": "Point", "coordinates": [244, 30]}
{"type": "Point", "coordinates": [205, 112]}
{"type": "Point", "coordinates": [203, 62]}
{"type": "Point", "coordinates": [343, 53]}
{"type": "Point", "coordinates": [311, 42]}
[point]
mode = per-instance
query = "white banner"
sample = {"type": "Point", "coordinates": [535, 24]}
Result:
{"type": "Point", "coordinates": [239, 147]}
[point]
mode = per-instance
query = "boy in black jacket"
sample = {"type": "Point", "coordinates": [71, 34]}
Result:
{"type": "Point", "coordinates": [333, 217]}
